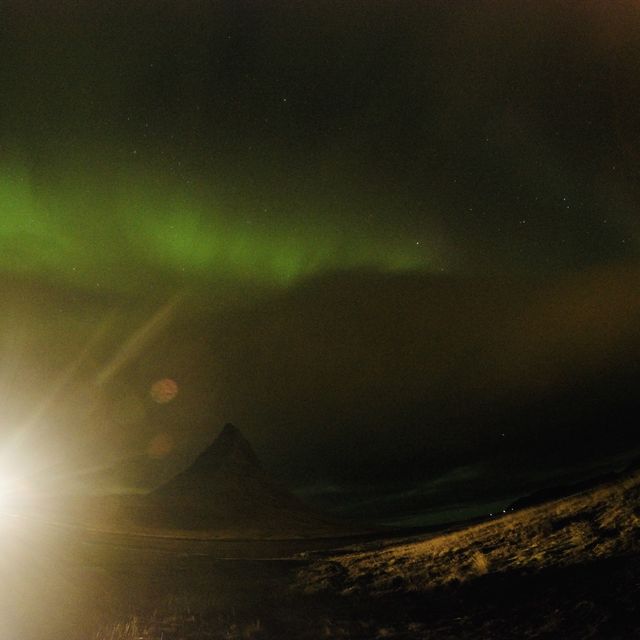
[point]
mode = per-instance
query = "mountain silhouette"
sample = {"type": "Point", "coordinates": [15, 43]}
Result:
{"type": "Point", "coordinates": [229, 460]}
{"type": "Point", "coordinates": [227, 490]}
{"type": "Point", "coordinates": [548, 494]}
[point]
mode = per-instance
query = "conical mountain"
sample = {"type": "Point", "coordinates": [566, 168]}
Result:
{"type": "Point", "coordinates": [230, 458]}
{"type": "Point", "coordinates": [228, 492]}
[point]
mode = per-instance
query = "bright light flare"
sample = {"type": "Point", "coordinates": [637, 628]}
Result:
{"type": "Point", "coordinates": [13, 492]}
{"type": "Point", "coordinates": [16, 494]}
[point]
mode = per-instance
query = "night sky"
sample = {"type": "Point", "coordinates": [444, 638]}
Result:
{"type": "Point", "coordinates": [396, 243]}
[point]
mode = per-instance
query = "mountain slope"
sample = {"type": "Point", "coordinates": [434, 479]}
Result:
{"type": "Point", "coordinates": [227, 490]}
{"type": "Point", "coordinates": [585, 528]}
{"type": "Point", "coordinates": [228, 462]}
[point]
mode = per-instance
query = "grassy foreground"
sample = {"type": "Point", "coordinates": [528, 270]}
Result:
{"type": "Point", "coordinates": [568, 569]}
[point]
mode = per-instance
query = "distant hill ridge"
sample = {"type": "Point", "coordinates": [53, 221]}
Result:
{"type": "Point", "coordinates": [548, 494]}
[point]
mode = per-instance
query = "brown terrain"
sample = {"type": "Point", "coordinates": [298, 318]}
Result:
{"type": "Point", "coordinates": [564, 569]}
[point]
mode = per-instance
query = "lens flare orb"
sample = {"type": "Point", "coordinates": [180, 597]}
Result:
{"type": "Point", "coordinates": [164, 390]}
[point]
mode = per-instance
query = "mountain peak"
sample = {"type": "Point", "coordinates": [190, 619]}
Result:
{"type": "Point", "coordinates": [231, 435]}
{"type": "Point", "coordinates": [229, 455]}
{"type": "Point", "coordinates": [230, 448]}
{"type": "Point", "coordinates": [226, 488]}
{"type": "Point", "coordinates": [229, 430]}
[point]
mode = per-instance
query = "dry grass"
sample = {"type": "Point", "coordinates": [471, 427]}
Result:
{"type": "Point", "coordinates": [591, 526]}
{"type": "Point", "coordinates": [180, 628]}
{"type": "Point", "coordinates": [550, 571]}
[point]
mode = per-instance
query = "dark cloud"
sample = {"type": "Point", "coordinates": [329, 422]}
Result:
{"type": "Point", "coordinates": [388, 240]}
{"type": "Point", "coordinates": [367, 380]}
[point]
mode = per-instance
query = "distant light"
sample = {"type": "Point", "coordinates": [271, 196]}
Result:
{"type": "Point", "coordinates": [163, 391]}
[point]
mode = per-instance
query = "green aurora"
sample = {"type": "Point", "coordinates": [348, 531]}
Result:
{"type": "Point", "coordinates": [80, 232]}
{"type": "Point", "coordinates": [257, 200]}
